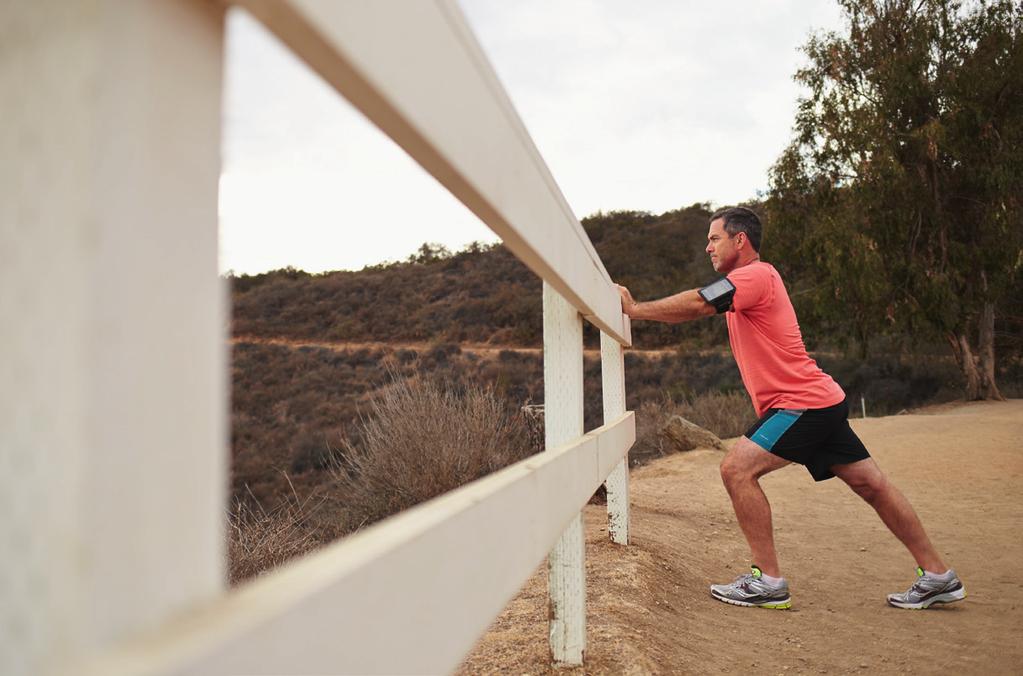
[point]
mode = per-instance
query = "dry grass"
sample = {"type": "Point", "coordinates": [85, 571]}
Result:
{"type": "Point", "coordinates": [259, 540]}
{"type": "Point", "coordinates": [726, 415]}
{"type": "Point", "coordinates": [422, 440]}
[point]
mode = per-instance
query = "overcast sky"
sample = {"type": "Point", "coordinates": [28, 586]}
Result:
{"type": "Point", "coordinates": [648, 105]}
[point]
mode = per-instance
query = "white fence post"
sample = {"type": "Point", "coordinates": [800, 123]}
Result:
{"type": "Point", "coordinates": [113, 397]}
{"type": "Point", "coordinates": [612, 373]}
{"type": "Point", "coordinates": [563, 421]}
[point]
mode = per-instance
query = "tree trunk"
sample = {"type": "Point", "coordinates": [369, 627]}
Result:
{"type": "Point", "coordinates": [967, 363]}
{"type": "Point", "coordinates": [863, 338]}
{"type": "Point", "coordinates": [986, 350]}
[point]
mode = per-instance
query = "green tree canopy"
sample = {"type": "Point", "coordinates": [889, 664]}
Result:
{"type": "Point", "coordinates": [901, 191]}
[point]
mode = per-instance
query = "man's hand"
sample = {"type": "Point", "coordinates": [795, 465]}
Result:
{"type": "Point", "coordinates": [628, 302]}
{"type": "Point", "coordinates": [681, 307]}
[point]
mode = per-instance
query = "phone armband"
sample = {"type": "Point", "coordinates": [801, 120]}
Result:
{"type": "Point", "coordinates": [719, 294]}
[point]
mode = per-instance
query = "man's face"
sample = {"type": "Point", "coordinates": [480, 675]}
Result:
{"type": "Point", "coordinates": [721, 247]}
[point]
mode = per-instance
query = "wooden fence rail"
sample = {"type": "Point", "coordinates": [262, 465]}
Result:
{"type": "Point", "coordinates": [410, 595]}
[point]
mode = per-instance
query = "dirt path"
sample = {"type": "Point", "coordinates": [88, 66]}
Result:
{"type": "Point", "coordinates": [648, 606]}
{"type": "Point", "coordinates": [482, 349]}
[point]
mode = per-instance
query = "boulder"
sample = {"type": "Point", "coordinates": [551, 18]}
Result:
{"type": "Point", "coordinates": [685, 435]}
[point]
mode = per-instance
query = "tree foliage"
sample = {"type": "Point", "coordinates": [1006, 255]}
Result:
{"type": "Point", "coordinates": [902, 189]}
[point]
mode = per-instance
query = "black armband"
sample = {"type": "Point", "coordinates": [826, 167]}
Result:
{"type": "Point", "coordinates": [719, 294]}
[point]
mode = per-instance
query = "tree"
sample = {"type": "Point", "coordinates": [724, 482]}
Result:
{"type": "Point", "coordinates": [903, 186]}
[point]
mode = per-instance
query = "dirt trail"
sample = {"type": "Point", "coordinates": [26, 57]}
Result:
{"type": "Point", "coordinates": [482, 349]}
{"type": "Point", "coordinates": [650, 612]}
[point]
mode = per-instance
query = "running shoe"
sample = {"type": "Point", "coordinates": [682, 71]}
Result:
{"type": "Point", "coordinates": [930, 589]}
{"type": "Point", "coordinates": [751, 590]}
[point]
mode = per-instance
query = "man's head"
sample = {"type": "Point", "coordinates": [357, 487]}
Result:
{"type": "Point", "coordinates": [733, 239]}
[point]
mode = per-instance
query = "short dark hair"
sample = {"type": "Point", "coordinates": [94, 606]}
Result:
{"type": "Point", "coordinates": [741, 219]}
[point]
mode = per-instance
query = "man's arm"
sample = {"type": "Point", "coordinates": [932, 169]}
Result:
{"type": "Point", "coordinates": [681, 307]}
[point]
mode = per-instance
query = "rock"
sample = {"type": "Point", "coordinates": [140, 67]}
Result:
{"type": "Point", "coordinates": [685, 436]}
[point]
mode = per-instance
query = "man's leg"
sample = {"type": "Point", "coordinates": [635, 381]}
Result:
{"type": "Point", "coordinates": [870, 483]}
{"type": "Point", "coordinates": [741, 470]}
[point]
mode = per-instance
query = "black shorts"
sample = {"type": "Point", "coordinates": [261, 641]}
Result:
{"type": "Point", "coordinates": [815, 437]}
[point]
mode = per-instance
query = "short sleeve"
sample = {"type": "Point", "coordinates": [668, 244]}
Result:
{"type": "Point", "coordinates": [752, 286]}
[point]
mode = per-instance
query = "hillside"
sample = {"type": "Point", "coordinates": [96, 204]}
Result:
{"type": "Point", "coordinates": [649, 611]}
{"type": "Point", "coordinates": [292, 403]}
{"type": "Point", "coordinates": [293, 400]}
{"type": "Point", "coordinates": [482, 294]}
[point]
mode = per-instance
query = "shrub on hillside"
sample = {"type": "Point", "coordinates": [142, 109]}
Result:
{"type": "Point", "coordinates": [726, 414]}
{"type": "Point", "coordinates": [259, 539]}
{"type": "Point", "coordinates": [421, 440]}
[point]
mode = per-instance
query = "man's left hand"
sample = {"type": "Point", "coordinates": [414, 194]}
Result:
{"type": "Point", "coordinates": [628, 302]}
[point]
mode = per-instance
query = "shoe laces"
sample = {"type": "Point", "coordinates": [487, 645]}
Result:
{"type": "Point", "coordinates": [921, 586]}
{"type": "Point", "coordinates": [917, 587]}
{"type": "Point", "coordinates": [743, 580]}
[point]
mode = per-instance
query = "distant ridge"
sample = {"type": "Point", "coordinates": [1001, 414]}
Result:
{"type": "Point", "coordinates": [481, 294]}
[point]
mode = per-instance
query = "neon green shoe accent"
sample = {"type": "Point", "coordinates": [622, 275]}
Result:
{"type": "Point", "coordinates": [756, 571]}
{"type": "Point", "coordinates": [919, 571]}
{"type": "Point", "coordinates": [776, 606]}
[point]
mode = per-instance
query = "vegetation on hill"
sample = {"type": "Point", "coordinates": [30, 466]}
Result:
{"type": "Point", "coordinates": [481, 294]}
{"type": "Point", "coordinates": [484, 295]}
{"type": "Point", "coordinates": [295, 408]}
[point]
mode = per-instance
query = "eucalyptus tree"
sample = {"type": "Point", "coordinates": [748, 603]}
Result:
{"type": "Point", "coordinates": [902, 188]}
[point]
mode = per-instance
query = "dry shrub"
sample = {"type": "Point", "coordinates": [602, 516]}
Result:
{"type": "Point", "coordinates": [725, 414]}
{"type": "Point", "coordinates": [260, 540]}
{"type": "Point", "coordinates": [650, 418]}
{"type": "Point", "coordinates": [422, 440]}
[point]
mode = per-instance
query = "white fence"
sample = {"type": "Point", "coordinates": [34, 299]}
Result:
{"type": "Point", "coordinates": [113, 405]}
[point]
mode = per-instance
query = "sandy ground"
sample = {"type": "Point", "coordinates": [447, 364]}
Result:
{"type": "Point", "coordinates": [649, 610]}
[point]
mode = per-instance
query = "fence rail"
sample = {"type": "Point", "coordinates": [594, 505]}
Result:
{"type": "Point", "coordinates": [410, 595]}
{"type": "Point", "coordinates": [131, 537]}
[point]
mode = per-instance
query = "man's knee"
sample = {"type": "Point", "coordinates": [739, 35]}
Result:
{"type": "Point", "coordinates": [869, 485]}
{"type": "Point", "coordinates": [731, 471]}
{"type": "Point", "coordinates": [735, 468]}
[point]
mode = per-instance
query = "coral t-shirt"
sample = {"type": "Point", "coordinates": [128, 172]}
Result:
{"type": "Point", "coordinates": [768, 347]}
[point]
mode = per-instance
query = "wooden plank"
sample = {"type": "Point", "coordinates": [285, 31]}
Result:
{"type": "Point", "coordinates": [417, 72]}
{"type": "Point", "coordinates": [358, 606]}
{"type": "Point", "coordinates": [113, 400]}
{"type": "Point", "coordinates": [612, 371]}
{"type": "Point", "coordinates": [563, 421]}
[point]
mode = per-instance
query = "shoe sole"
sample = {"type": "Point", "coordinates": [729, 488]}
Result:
{"type": "Point", "coordinates": [947, 597]}
{"type": "Point", "coordinates": [784, 604]}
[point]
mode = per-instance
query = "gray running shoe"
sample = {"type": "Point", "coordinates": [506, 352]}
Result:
{"type": "Point", "coordinates": [928, 590]}
{"type": "Point", "coordinates": [750, 590]}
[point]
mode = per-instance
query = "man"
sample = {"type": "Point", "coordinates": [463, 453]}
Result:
{"type": "Point", "coordinates": [803, 417]}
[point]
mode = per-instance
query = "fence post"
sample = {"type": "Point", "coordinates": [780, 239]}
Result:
{"type": "Point", "coordinates": [113, 400]}
{"type": "Point", "coordinates": [612, 373]}
{"type": "Point", "coordinates": [563, 422]}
